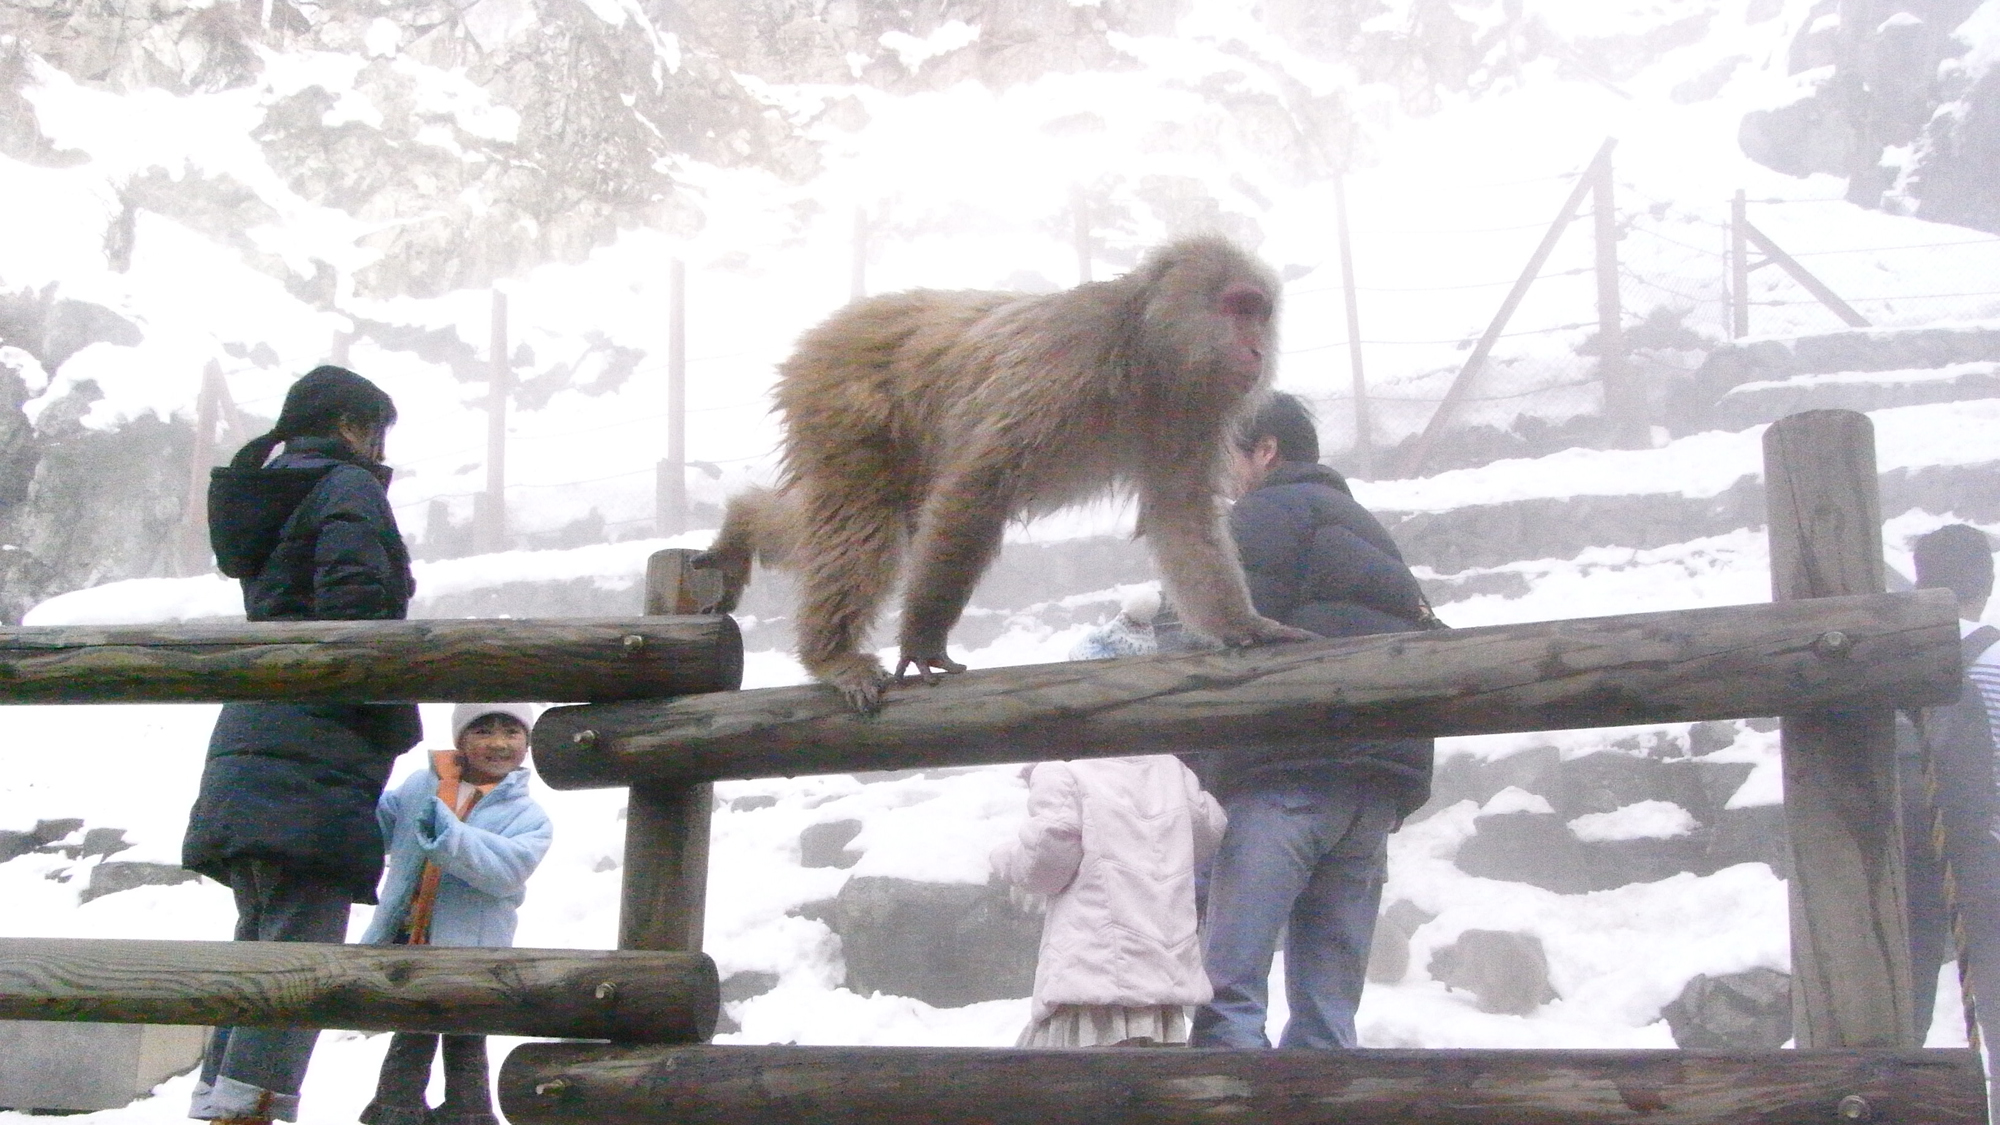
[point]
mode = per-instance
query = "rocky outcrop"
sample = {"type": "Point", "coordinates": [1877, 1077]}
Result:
{"type": "Point", "coordinates": [1389, 953]}
{"type": "Point", "coordinates": [1548, 849]}
{"type": "Point", "coordinates": [947, 944]}
{"type": "Point", "coordinates": [110, 878]}
{"type": "Point", "coordinates": [1893, 107]}
{"type": "Point", "coordinates": [532, 131]}
{"type": "Point", "coordinates": [1506, 972]}
{"type": "Point", "coordinates": [825, 844]}
{"type": "Point", "coordinates": [1745, 1011]}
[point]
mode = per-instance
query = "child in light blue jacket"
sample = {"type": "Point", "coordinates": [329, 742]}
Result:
{"type": "Point", "coordinates": [463, 836]}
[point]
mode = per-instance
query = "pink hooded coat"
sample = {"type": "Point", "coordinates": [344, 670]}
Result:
{"type": "Point", "coordinates": [1114, 842]}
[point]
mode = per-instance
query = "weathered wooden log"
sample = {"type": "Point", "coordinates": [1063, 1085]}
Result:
{"type": "Point", "coordinates": [1850, 930]}
{"type": "Point", "coordinates": [1730, 662]}
{"type": "Point", "coordinates": [567, 993]}
{"type": "Point", "coordinates": [663, 896]}
{"type": "Point", "coordinates": [371, 661]}
{"type": "Point", "coordinates": [586, 1084]}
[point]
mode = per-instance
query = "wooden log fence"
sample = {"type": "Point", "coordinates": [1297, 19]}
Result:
{"type": "Point", "coordinates": [574, 1084]}
{"type": "Point", "coordinates": [1727, 662]}
{"type": "Point", "coordinates": [371, 661]}
{"type": "Point", "coordinates": [1830, 656]}
{"type": "Point", "coordinates": [566, 993]}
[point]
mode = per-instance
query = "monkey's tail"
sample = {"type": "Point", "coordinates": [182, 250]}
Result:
{"type": "Point", "coordinates": [755, 527]}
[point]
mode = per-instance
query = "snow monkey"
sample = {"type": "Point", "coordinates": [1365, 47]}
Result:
{"type": "Point", "coordinates": [919, 423]}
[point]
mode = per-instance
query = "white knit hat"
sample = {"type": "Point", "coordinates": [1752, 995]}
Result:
{"type": "Point", "coordinates": [466, 714]}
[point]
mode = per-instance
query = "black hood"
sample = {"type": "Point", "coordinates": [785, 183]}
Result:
{"type": "Point", "coordinates": [247, 508]}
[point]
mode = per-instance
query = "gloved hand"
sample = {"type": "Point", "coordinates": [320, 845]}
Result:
{"type": "Point", "coordinates": [433, 821]}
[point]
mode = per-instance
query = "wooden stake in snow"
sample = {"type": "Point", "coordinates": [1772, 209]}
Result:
{"type": "Point", "coordinates": [1850, 934]}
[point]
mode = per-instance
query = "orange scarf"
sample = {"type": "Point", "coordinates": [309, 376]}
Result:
{"type": "Point", "coordinates": [459, 796]}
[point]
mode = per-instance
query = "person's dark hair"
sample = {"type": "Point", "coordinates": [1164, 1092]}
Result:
{"type": "Point", "coordinates": [1285, 418]}
{"type": "Point", "coordinates": [316, 405]}
{"type": "Point", "coordinates": [1959, 558]}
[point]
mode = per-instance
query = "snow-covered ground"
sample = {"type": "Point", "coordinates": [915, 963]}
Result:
{"type": "Point", "coordinates": [1446, 208]}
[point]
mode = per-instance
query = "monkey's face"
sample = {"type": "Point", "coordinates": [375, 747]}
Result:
{"type": "Point", "coordinates": [1246, 310]}
{"type": "Point", "coordinates": [1210, 324]}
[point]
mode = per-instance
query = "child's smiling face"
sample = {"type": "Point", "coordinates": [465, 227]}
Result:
{"type": "Point", "coordinates": [493, 747]}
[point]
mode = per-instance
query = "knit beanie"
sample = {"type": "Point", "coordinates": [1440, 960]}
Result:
{"type": "Point", "coordinates": [466, 714]}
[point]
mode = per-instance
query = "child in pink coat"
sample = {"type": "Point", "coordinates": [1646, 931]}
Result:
{"type": "Point", "coordinates": [1114, 843]}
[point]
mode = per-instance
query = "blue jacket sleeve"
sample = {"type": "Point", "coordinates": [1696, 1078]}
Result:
{"type": "Point", "coordinates": [353, 576]}
{"type": "Point", "coordinates": [387, 810]}
{"type": "Point", "coordinates": [496, 863]}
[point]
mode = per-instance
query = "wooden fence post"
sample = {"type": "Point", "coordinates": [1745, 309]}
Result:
{"type": "Point", "coordinates": [1850, 933]}
{"type": "Point", "coordinates": [1420, 450]}
{"type": "Point", "coordinates": [670, 483]}
{"type": "Point", "coordinates": [857, 278]}
{"type": "Point", "coordinates": [1624, 399]}
{"type": "Point", "coordinates": [192, 547]}
{"type": "Point", "coordinates": [490, 508]}
{"type": "Point", "coordinates": [1364, 441]}
{"type": "Point", "coordinates": [664, 895]}
{"type": "Point", "coordinates": [1739, 269]}
{"type": "Point", "coordinates": [1079, 217]}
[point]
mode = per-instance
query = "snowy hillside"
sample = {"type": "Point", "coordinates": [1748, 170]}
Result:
{"type": "Point", "coordinates": [259, 189]}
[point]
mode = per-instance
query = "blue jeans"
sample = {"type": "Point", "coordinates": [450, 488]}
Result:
{"type": "Point", "coordinates": [1312, 855]}
{"type": "Point", "coordinates": [255, 1072]}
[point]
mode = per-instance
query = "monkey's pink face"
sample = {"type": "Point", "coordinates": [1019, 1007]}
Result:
{"type": "Point", "coordinates": [1248, 310]}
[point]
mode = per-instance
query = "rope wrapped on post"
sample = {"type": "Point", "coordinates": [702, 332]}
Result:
{"type": "Point", "coordinates": [1680, 666]}
{"type": "Point", "coordinates": [624, 996]}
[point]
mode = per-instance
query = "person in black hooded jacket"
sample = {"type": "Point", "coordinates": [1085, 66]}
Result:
{"type": "Point", "coordinates": [286, 811]}
{"type": "Point", "coordinates": [1309, 818]}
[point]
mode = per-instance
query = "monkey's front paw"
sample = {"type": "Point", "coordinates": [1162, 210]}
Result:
{"type": "Point", "coordinates": [928, 667]}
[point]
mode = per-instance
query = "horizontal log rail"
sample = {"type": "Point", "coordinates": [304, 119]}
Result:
{"type": "Point", "coordinates": [629, 997]}
{"type": "Point", "coordinates": [1722, 663]}
{"type": "Point", "coordinates": [372, 661]}
{"type": "Point", "coordinates": [585, 1084]}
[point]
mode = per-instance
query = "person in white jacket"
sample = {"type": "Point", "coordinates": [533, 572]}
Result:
{"type": "Point", "coordinates": [1114, 843]}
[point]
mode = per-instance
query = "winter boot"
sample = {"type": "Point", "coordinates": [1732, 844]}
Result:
{"type": "Point", "coordinates": [468, 1092]}
{"type": "Point", "coordinates": [399, 1093]}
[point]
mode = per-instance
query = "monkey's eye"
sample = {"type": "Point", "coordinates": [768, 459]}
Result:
{"type": "Point", "coordinates": [1245, 300]}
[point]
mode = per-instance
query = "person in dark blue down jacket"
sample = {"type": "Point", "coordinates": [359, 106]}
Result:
{"type": "Point", "coordinates": [286, 811]}
{"type": "Point", "coordinates": [1309, 818]}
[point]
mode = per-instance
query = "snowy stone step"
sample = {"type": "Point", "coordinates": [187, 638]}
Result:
{"type": "Point", "coordinates": [1768, 400]}
{"type": "Point", "coordinates": [1466, 541]}
{"type": "Point", "coordinates": [1694, 403]}
{"type": "Point", "coordinates": [1939, 456]}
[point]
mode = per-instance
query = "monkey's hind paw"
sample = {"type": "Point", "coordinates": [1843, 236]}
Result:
{"type": "Point", "coordinates": [1267, 631]}
{"type": "Point", "coordinates": [928, 668]}
{"type": "Point", "coordinates": [859, 679]}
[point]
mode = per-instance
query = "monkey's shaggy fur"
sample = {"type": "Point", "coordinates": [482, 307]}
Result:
{"type": "Point", "coordinates": [919, 423]}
